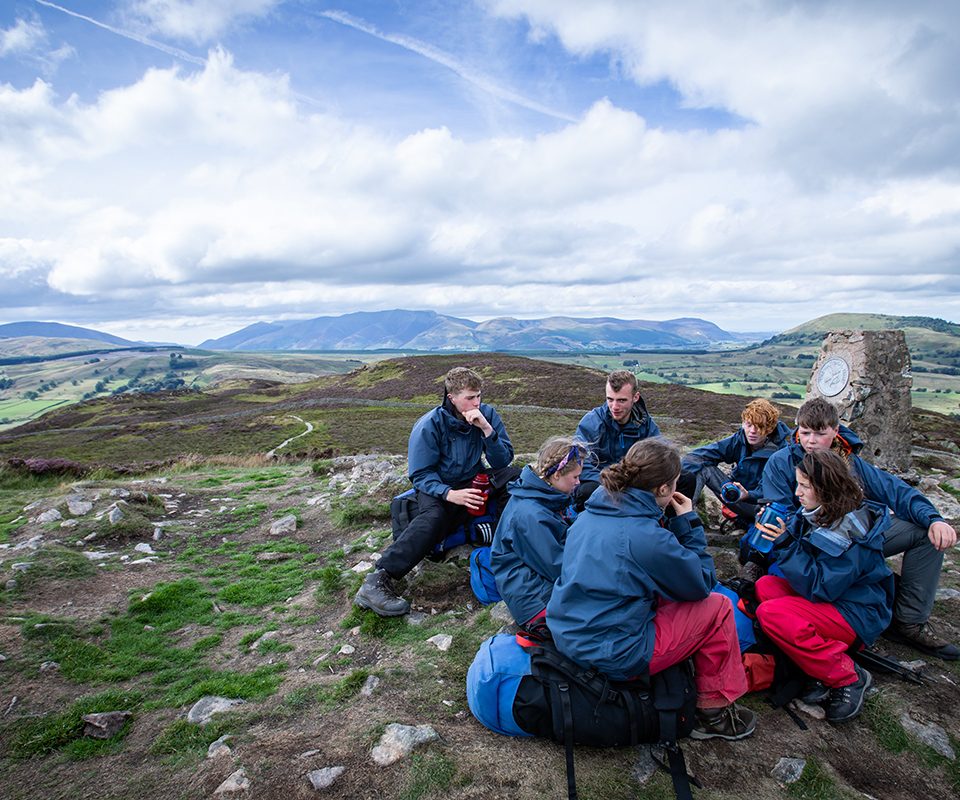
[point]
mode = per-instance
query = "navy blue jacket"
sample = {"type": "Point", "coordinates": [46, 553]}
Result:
{"type": "Point", "coordinates": [617, 564]}
{"type": "Point", "coordinates": [445, 451]}
{"type": "Point", "coordinates": [527, 548]}
{"type": "Point", "coordinates": [748, 464]}
{"type": "Point", "coordinates": [857, 582]}
{"type": "Point", "coordinates": [608, 440]}
{"type": "Point", "coordinates": [780, 482]}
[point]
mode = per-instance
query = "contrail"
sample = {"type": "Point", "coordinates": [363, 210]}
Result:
{"type": "Point", "coordinates": [438, 56]}
{"type": "Point", "coordinates": [183, 55]}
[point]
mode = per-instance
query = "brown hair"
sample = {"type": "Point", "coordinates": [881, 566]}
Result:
{"type": "Point", "coordinates": [648, 464]}
{"type": "Point", "coordinates": [460, 378]}
{"type": "Point", "coordinates": [838, 491]}
{"type": "Point", "coordinates": [620, 378]}
{"type": "Point", "coordinates": [817, 415]}
{"type": "Point", "coordinates": [554, 451]}
{"type": "Point", "coordinates": [761, 413]}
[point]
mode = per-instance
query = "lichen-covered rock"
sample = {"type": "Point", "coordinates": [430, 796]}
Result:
{"type": "Point", "coordinates": [398, 741]}
{"type": "Point", "coordinates": [324, 778]}
{"type": "Point", "coordinates": [284, 525]}
{"type": "Point", "coordinates": [237, 782]}
{"type": "Point", "coordinates": [203, 710]}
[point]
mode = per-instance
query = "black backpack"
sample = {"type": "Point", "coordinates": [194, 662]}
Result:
{"type": "Point", "coordinates": [540, 692]}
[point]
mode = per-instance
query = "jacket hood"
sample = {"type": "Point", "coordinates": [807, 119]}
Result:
{"type": "Point", "coordinates": [848, 437]}
{"type": "Point", "coordinates": [630, 503]}
{"type": "Point", "coordinates": [531, 486]}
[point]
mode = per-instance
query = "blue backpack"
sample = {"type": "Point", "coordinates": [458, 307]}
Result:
{"type": "Point", "coordinates": [534, 690]}
{"type": "Point", "coordinates": [481, 577]}
{"type": "Point", "coordinates": [745, 627]}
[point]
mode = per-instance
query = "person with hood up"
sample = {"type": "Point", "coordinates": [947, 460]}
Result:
{"type": "Point", "coordinates": [917, 529]}
{"type": "Point", "coordinates": [444, 455]}
{"type": "Point", "coordinates": [634, 593]}
{"type": "Point", "coordinates": [836, 590]}
{"type": "Point", "coordinates": [527, 548]}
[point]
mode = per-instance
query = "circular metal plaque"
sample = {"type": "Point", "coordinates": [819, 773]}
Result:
{"type": "Point", "coordinates": [833, 376]}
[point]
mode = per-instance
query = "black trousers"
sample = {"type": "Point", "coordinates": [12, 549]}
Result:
{"type": "Point", "coordinates": [436, 519]}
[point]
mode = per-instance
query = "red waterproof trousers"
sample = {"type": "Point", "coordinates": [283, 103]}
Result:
{"type": "Point", "coordinates": [815, 636]}
{"type": "Point", "coordinates": [706, 630]}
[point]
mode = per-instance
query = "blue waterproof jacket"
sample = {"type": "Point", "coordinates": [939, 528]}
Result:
{"type": "Point", "coordinates": [856, 581]}
{"type": "Point", "coordinates": [780, 482]}
{"type": "Point", "coordinates": [747, 463]}
{"type": "Point", "coordinates": [527, 548]}
{"type": "Point", "coordinates": [619, 561]}
{"type": "Point", "coordinates": [608, 440]}
{"type": "Point", "coordinates": [445, 451]}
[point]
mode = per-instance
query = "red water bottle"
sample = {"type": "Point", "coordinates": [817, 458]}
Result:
{"type": "Point", "coordinates": [481, 482]}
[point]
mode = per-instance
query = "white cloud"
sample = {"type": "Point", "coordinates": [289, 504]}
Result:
{"type": "Point", "coordinates": [23, 37]}
{"type": "Point", "coordinates": [215, 193]}
{"type": "Point", "coordinates": [197, 21]}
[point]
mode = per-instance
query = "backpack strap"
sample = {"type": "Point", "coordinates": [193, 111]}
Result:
{"type": "Point", "coordinates": [563, 720]}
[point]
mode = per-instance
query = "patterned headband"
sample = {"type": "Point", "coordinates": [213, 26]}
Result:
{"type": "Point", "coordinates": [574, 453]}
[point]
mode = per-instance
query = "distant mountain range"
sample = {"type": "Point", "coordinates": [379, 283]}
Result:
{"type": "Point", "coordinates": [430, 331]}
{"type": "Point", "coordinates": [56, 330]}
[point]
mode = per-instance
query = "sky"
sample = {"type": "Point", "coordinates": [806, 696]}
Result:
{"type": "Point", "coordinates": [174, 170]}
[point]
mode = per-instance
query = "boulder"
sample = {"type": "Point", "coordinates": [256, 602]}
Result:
{"type": "Point", "coordinates": [284, 525]}
{"type": "Point", "coordinates": [324, 778]}
{"type": "Point", "coordinates": [104, 724]}
{"type": "Point", "coordinates": [77, 506]}
{"type": "Point", "coordinates": [399, 741]}
{"type": "Point", "coordinates": [204, 709]}
{"type": "Point", "coordinates": [237, 782]}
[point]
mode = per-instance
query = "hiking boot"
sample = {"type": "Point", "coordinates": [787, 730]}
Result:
{"type": "Point", "coordinates": [731, 722]}
{"type": "Point", "coordinates": [814, 693]}
{"type": "Point", "coordinates": [920, 636]}
{"type": "Point", "coordinates": [845, 702]}
{"type": "Point", "coordinates": [377, 594]}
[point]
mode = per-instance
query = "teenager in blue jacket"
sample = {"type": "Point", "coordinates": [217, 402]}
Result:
{"type": "Point", "coordinates": [836, 587]}
{"type": "Point", "coordinates": [634, 590]}
{"type": "Point", "coordinates": [613, 428]}
{"type": "Point", "coordinates": [445, 453]}
{"type": "Point", "coordinates": [527, 548]}
{"type": "Point", "coordinates": [760, 435]}
{"type": "Point", "coordinates": [918, 530]}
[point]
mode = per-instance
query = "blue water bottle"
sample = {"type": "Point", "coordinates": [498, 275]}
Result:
{"type": "Point", "coordinates": [730, 492]}
{"type": "Point", "coordinates": [767, 517]}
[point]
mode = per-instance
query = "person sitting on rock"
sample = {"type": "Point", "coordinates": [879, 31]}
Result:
{"type": "Point", "coordinates": [760, 435]}
{"type": "Point", "coordinates": [444, 455]}
{"type": "Point", "coordinates": [836, 590]}
{"type": "Point", "coordinates": [527, 547]}
{"type": "Point", "coordinates": [612, 429]}
{"type": "Point", "coordinates": [917, 529]}
{"type": "Point", "coordinates": [634, 593]}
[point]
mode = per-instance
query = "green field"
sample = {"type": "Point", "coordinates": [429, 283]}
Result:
{"type": "Point", "coordinates": [41, 386]}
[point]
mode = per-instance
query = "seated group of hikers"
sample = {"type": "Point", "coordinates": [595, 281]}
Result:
{"type": "Point", "coordinates": [599, 548]}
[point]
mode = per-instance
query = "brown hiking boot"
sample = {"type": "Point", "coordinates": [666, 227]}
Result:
{"type": "Point", "coordinates": [920, 636]}
{"type": "Point", "coordinates": [731, 722]}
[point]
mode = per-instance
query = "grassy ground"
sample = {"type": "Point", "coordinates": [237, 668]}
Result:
{"type": "Point", "coordinates": [229, 609]}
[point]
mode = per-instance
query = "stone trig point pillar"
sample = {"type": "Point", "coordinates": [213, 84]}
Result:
{"type": "Point", "coordinates": [866, 375]}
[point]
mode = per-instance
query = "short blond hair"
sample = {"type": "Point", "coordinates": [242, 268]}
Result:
{"type": "Point", "coordinates": [460, 378]}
